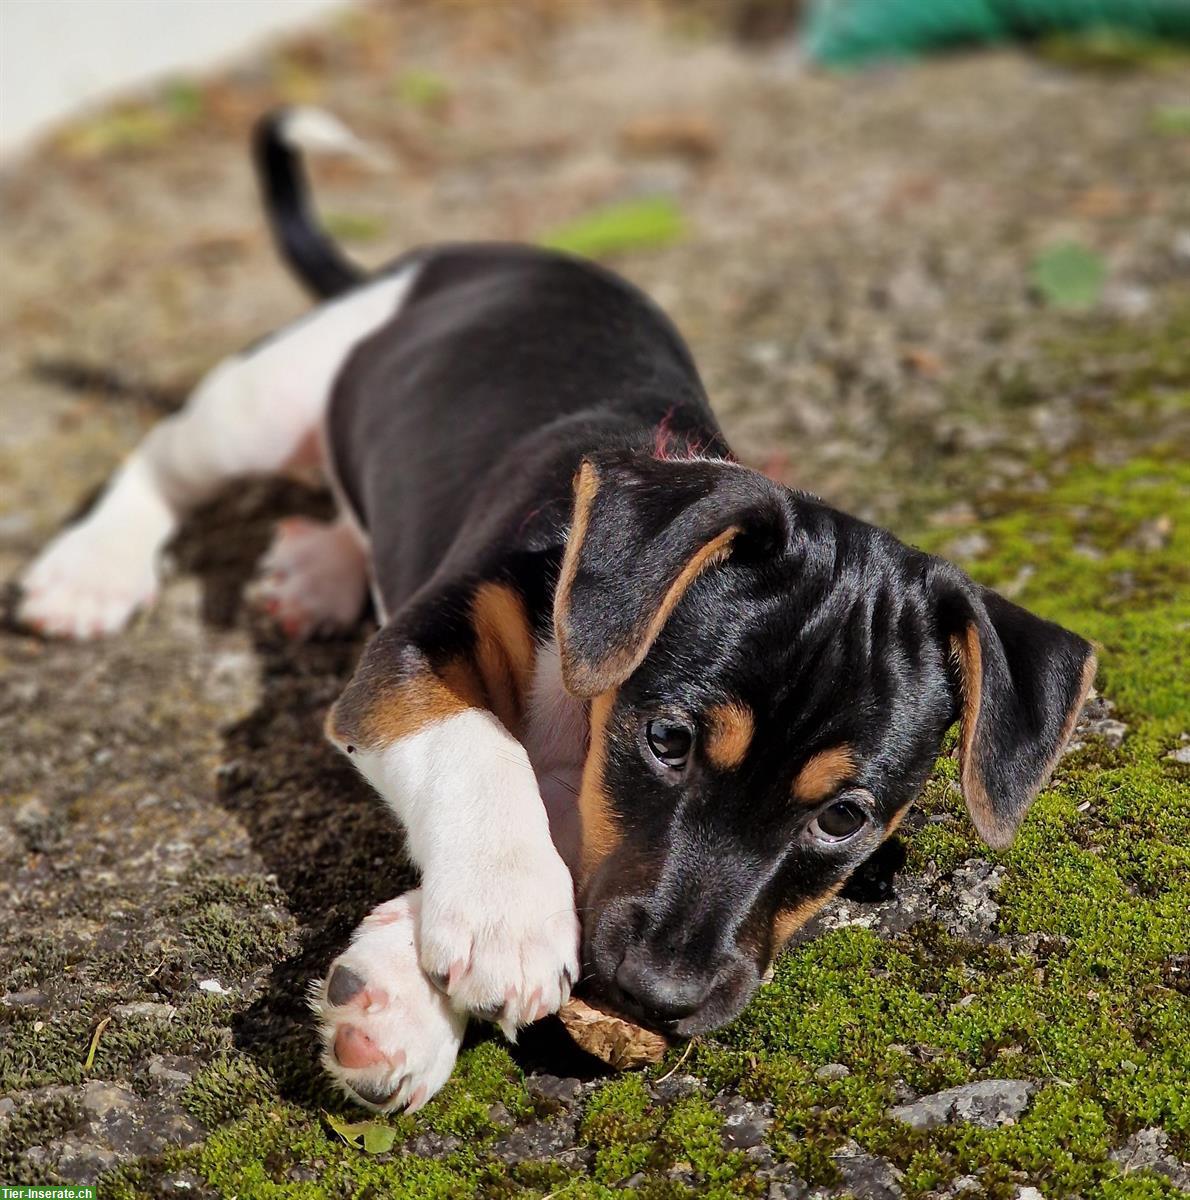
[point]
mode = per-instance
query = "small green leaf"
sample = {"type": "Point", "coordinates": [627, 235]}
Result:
{"type": "Point", "coordinates": [372, 1137]}
{"type": "Point", "coordinates": [348, 1131]}
{"type": "Point", "coordinates": [1069, 276]}
{"type": "Point", "coordinates": [379, 1138]}
{"type": "Point", "coordinates": [182, 99]}
{"type": "Point", "coordinates": [655, 221]}
{"type": "Point", "coordinates": [421, 89]}
{"type": "Point", "coordinates": [353, 227]}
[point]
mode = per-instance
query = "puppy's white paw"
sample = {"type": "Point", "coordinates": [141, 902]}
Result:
{"type": "Point", "coordinates": [502, 942]}
{"type": "Point", "coordinates": [313, 578]}
{"type": "Point", "coordinates": [389, 1037]}
{"type": "Point", "coordinates": [88, 582]}
{"type": "Point", "coordinates": [92, 577]}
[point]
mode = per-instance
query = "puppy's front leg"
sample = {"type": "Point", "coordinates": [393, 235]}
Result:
{"type": "Point", "coordinates": [430, 730]}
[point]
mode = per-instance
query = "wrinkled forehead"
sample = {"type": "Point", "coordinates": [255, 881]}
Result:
{"type": "Point", "coordinates": [835, 643]}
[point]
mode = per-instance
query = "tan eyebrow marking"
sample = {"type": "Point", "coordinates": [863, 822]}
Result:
{"type": "Point", "coordinates": [730, 729]}
{"type": "Point", "coordinates": [822, 773]}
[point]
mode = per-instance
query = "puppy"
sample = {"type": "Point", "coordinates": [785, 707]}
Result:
{"type": "Point", "coordinates": [614, 667]}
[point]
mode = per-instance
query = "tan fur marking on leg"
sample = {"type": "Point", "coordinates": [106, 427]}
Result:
{"type": "Point", "coordinates": [399, 710]}
{"type": "Point", "coordinates": [599, 832]}
{"type": "Point", "coordinates": [504, 650]}
{"type": "Point", "coordinates": [730, 728]}
{"type": "Point", "coordinates": [822, 774]}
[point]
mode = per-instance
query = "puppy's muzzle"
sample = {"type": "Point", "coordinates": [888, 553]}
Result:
{"type": "Point", "coordinates": [674, 980]}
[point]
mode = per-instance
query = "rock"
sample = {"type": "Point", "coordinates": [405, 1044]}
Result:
{"type": "Point", "coordinates": [1129, 301]}
{"type": "Point", "coordinates": [1152, 535]}
{"type": "Point", "coordinates": [31, 816]}
{"type": "Point", "coordinates": [30, 999]}
{"type": "Point", "coordinates": [829, 1072]}
{"type": "Point", "coordinates": [553, 1093]}
{"type": "Point", "coordinates": [539, 1140]}
{"type": "Point", "coordinates": [974, 883]}
{"type": "Point", "coordinates": [866, 1176]}
{"type": "Point", "coordinates": [1096, 721]}
{"type": "Point", "coordinates": [500, 1116]}
{"type": "Point", "coordinates": [145, 1010]}
{"type": "Point", "coordinates": [674, 1087]}
{"type": "Point", "coordinates": [986, 1103]}
{"type": "Point", "coordinates": [745, 1123]}
{"type": "Point", "coordinates": [1148, 1150]}
{"type": "Point", "coordinates": [74, 1159]}
{"type": "Point", "coordinates": [171, 1073]}
{"type": "Point", "coordinates": [1180, 755]}
{"type": "Point", "coordinates": [121, 1121]}
{"type": "Point", "coordinates": [1029, 1193]}
{"type": "Point", "coordinates": [433, 1145]}
{"type": "Point", "coordinates": [101, 1100]}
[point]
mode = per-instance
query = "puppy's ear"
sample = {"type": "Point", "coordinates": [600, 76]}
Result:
{"type": "Point", "coordinates": [1020, 684]}
{"type": "Point", "coordinates": [643, 530]}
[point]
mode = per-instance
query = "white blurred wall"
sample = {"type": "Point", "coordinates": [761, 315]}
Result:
{"type": "Point", "coordinates": [58, 55]}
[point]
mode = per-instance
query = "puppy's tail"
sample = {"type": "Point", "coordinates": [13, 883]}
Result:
{"type": "Point", "coordinates": [277, 142]}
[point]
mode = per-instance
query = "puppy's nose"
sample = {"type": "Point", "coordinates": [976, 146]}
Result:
{"type": "Point", "coordinates": [667, 991]}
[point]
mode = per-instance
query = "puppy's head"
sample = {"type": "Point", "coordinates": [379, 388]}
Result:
{"type": "Point", "coordinates": [770, 681]}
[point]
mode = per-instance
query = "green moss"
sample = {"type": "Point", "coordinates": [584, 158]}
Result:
{"type": "Point", "coordinates": [484, 1076]}
{"type": "Point", "coordinates": [225, 1088]}
{"type": "Point", "coordinates": [1080, 993]}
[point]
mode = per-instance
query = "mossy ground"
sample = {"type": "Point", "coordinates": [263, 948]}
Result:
{"type": "Point", "coordinates": [177, 819]}
{"type": "Point", "coordinates": [1093, 1005]}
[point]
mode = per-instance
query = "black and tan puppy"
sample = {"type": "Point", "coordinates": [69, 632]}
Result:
{"type": "Point", "coordinates": [614, 669]}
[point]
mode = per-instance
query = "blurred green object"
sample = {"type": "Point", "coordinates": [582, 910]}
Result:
{"type": "Point", "coordinates": [846, 33]}
{"type": "Point", "coordinates": [1069, 276]}
{"type": "Point", "coordinates": [630, 225]}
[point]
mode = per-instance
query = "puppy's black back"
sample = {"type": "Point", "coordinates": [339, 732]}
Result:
{"type": "Point", "coordinates": [457, 426]}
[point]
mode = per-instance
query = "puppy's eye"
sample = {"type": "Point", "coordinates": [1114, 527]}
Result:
{"type": "Point", "coordinates": [670, 741]}
{"type": "Point", "coordinates": [842, 820]}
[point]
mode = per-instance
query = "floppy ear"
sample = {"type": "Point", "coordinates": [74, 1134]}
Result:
{"type": "Point", "coordinates": [643, 530]}
{"type": "Point", "coordinates": [1021, 683]}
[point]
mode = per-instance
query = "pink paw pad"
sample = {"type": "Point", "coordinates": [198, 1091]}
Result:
{"type": "Point", "coordinates": [354, 1049]}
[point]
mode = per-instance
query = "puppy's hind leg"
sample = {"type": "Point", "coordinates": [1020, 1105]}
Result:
{"type": "Point", "coordinates": [314, 578]}
{"type": "Point", "coordinates": [94, 575]}
{"type": "Point", "coordinates": [253, 415]}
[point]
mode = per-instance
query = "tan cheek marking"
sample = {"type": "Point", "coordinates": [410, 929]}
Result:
{"type": "Point", "coordinates": [822, 774]}
{"type": "Point", "coordinates": [788, 921]}
{"type": "Point", "coordinates": [730, 727]}
{"type": "Point", "coordinates": [599, 831]}
{"type": "Point", "coordinates": [504, 650]}
{"type": "Point", "coordinates": [395, 711]}
{"type": "Point", "coordinates": [895, 821]}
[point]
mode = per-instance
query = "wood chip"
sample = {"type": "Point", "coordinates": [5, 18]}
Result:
{"type": "Point", "coordinates": [615, 1040]}
{"type": "Point", "coordinates": [686, 135]}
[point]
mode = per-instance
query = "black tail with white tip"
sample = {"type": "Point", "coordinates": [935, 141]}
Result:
{"type": "Point", "coordinates": [277, 144]}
